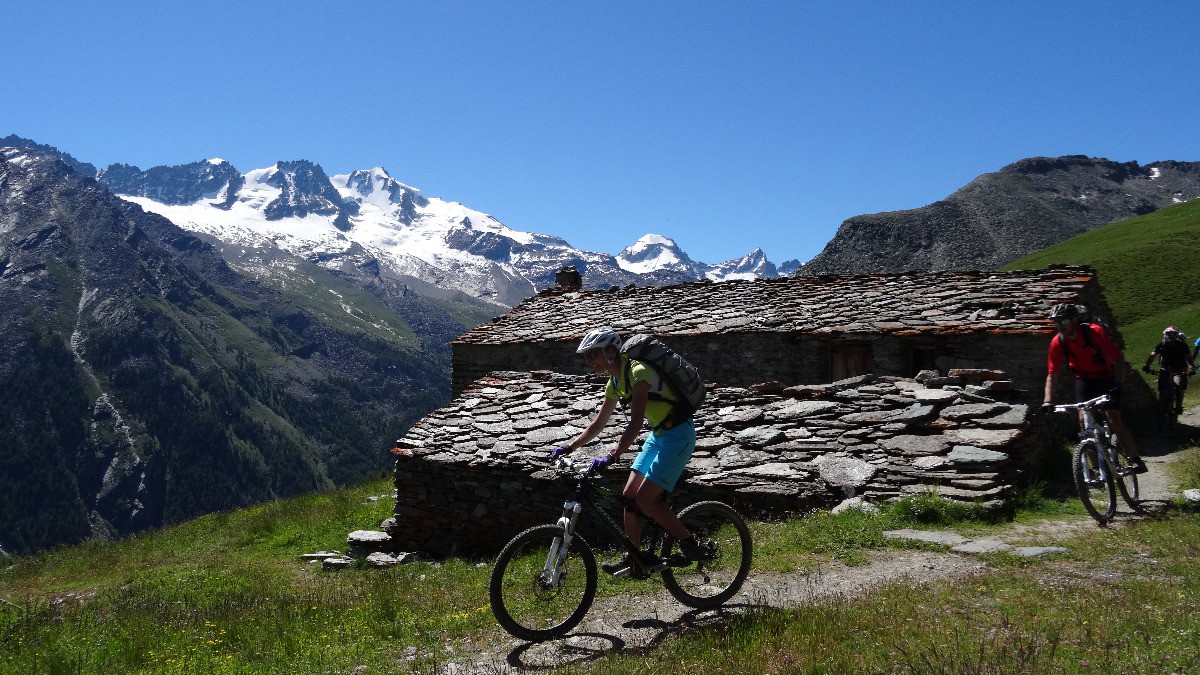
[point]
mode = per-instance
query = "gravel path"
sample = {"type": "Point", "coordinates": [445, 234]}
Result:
{"type": "Point", "coordinates": [631, 623]}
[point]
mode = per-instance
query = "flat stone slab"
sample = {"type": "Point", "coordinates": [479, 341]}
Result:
{"type": "Point", "coordinates": [969, 454]}
{"type": "Point", "coordinates": [934, 395]}
{"type": "Point", "coordinates": [845, 472]}
{"type": "Point", "coordinates": [368, 537]}
{"type": "Point", "coordinates": [961, 544]}
{"type": "Point", "coordinates": [982, 546]}
{"type": "Point", "coordinates": [974, 410]}
{"type": "Point", "coordinates": [1037, 551]}
{"type": "Point", "coordinates": [916, 445]}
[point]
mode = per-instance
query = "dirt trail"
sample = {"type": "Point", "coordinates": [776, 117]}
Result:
{"type": "Point", "coordinates": [637, 622]}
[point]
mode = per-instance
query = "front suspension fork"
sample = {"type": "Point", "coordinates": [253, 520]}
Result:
{"type": "Point", "coordinates": [552, 570]}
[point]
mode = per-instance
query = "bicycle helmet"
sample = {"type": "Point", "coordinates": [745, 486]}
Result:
{"type": "Point", "coordinates": [599, 339]}
{"type": "Point", "coordinates": [1063, 313]}
{"type": "Point", "coordinates": [1171, 331]}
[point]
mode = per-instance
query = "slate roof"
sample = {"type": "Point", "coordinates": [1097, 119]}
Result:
{"type": "Point", "coordinates": [874, 436]}
{"type": "Point", "coordinates": [912, 303]}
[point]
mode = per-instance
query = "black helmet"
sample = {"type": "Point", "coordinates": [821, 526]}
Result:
{"type": "Point", "coordinates": [1063, 313]}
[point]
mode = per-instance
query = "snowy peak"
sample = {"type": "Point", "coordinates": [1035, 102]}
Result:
{"type": "Point", "coordinates": [213, 179]}
{"type": "Point", "coordinates": [306, 190]}
{"type": "Point", "coordinates": [753, 265]}
{"type": "Point", "coordinates": [376, 187]}
{"type": "Point", "coordinates": [655, 253]}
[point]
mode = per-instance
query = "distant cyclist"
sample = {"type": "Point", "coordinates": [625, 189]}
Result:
{"type": "Point", "coordinates": [1087, 351]}
{"type": "Point", "coordinates": [1175, 364]}
{"type": "Point", "coordinates": [664, 454]}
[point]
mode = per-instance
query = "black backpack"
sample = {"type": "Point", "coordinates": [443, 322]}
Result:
{"type": "Point", "coordinates": [1097, 353]}
{"type": "Point", "coordinates": [680, 376]}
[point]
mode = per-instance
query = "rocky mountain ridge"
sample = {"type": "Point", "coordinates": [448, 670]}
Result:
{"type": "Point", "coordinates": [1002, 216]}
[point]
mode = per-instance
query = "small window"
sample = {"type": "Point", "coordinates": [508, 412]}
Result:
{"type": "Point", "coordinates": [923, 358]}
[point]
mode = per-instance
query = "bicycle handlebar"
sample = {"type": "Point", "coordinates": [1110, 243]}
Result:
{"type": "Point", "coordinates": [565, 465]}
{"type": "Point", "coordinates": [1102, 399]}
{"type": "Point", "coordinates": [1170, 371]}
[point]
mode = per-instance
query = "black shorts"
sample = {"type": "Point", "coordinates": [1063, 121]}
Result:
{"type": "Point", "coordinates": [1087, 389]}
{"type": "Point", "coordinates": [1172, 378]}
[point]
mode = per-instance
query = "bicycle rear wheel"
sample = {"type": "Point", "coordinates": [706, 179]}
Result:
{"type": "Point", "coordinates": [1166, 408]}
{"type": "Point", "coordinates": [1094, 485]}
{"type": "Point", "coordinates": [1126, 479]}
{"type": "Point", "coordinates": [724, 537]}
{"type": "Point", "coordinates": [527, 602]}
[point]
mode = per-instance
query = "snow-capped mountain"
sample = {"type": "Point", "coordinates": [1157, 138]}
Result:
{"type": "Point", "coordinates": [367, 220]}
{"type": "Point", "coordinates": [655, 253]}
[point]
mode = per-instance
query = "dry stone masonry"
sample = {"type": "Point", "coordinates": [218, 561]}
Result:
{"type": "Point", "coordinates": [473, 474]}
{"type": "Point", "coordinates": [808, 330]}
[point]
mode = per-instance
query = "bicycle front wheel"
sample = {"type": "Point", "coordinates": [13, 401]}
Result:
{"type": "Point", "coordinates": [718, 576]}
{"type": "Point", "coordinates": [1094, 484]}
{"type": "Point", "coordinates": [527, 598]}
{"type": "Point", "coordinates": [1127, 480]}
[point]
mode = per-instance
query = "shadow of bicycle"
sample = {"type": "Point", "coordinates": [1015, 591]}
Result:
{"type": "Point", "coordinates": [635, 635]}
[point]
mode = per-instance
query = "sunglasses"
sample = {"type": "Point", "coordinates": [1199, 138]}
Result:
{"type": "Point", "coordinates": [1061, 322]}
{"type": "Point", "coordinates": [591, 354]}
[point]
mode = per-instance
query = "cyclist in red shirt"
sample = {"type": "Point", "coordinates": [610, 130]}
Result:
{"type": "Point", "coordinates": [1088, 352]}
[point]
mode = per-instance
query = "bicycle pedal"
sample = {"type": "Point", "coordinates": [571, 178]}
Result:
{"type": "Point", "coordinates": [649, 568]}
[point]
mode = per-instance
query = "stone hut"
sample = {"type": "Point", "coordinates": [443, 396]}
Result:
{"type": "Point", "coordinates": [801, 330]}
{"type": "Point", "coordinates": [820, 388]}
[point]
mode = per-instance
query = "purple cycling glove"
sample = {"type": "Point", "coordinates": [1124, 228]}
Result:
{"type": "Point", "coordinates": [600, 463]}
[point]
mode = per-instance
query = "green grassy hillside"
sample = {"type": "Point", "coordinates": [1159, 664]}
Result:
{"type": "Point", "coordinates": [1149, 268]}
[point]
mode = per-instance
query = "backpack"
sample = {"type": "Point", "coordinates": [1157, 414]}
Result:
{"type": "Point", "coordinates": [1097, 353]}
{"type": "Point", "coordinates": [680, 376]}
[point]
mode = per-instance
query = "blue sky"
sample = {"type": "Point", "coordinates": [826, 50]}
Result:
{"type": "Point", "coordinates": [723, 125]}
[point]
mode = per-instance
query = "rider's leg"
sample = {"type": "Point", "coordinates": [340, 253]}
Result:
{"type": "Point", "coordinates": [633, 522]}
{"type": "Point", "coordinates": [1118, 427]}
{"type": "Point", "coordinates": [662, 460]}
{"type": "Point", "coordinates": [1179, 390]}
{"type": "Point", "coordinates": [649, 500]}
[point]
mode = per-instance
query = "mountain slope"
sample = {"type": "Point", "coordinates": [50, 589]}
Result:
{"type": "Point", "coordinates": [143, 381]}
{"type": "Point", "coordinates": [1149, 269]}
{"type": "Point", "coordinates": [999, 217]}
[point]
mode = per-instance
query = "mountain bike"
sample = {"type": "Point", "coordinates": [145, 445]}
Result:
{"type": "Point", "coordinates": [1099, 464]}
{"type": "Point", "coordinates": [544, 580]}
{"type": "Point", "coordinates": [1169, 383]}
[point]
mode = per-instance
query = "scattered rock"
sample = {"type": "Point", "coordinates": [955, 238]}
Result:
{"type": "Point", "coordinates": [855, 504]}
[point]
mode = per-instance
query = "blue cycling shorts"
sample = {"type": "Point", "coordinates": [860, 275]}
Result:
{"type": "Point", "coordinates": [665, 454]}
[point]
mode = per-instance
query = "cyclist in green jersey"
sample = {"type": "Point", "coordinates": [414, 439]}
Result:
{"type": "Point", "coordinates": [663, 456]}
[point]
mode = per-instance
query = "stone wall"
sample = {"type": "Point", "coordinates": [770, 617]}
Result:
{"type": "Point", "coordinates": [743, 359]}
{"type": "Point", "coordinates": [473, 474]}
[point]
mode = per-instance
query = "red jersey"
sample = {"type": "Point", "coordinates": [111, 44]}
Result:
{"type": "Point", "coordinates": [1079, 354]}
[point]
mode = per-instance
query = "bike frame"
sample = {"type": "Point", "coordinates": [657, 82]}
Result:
{"type": "Point", "coordinates": [1096, 428]}
{"type": "Point", "coordinates": [588, 495]}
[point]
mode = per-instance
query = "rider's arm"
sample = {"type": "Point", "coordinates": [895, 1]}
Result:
{"type": "Point", "coordinates": [637, 413]}
{"type": "Point", "coordinates": [1051, 382]}
{"type": "Point", "coordinates": [596, 425]}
